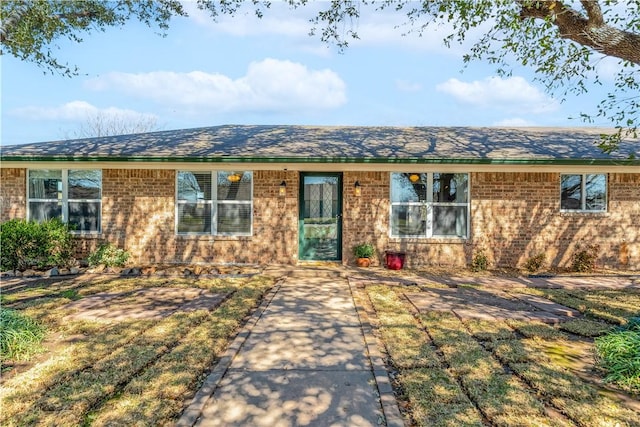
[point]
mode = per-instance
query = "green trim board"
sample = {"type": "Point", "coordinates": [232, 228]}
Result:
{"type": "Point", "coordinates": [327, 160]}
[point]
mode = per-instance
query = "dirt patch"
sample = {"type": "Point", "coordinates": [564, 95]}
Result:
{"type": "Point", "coordinates": [147, 303]}
{"type": "Point", "coordinates": [468, 303]}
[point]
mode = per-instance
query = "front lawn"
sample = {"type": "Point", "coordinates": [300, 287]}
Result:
{"type": "Point", "coordinates": [132, 371]}
{"type": "Point", "coordinates": [453, 372]}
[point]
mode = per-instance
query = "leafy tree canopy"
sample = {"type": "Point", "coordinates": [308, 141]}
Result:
{"type": "Point", "coordinates": [562, 41]}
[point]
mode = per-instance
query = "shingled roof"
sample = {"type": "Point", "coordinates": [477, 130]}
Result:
{"type": "Point", "coordinates": [348, 144]}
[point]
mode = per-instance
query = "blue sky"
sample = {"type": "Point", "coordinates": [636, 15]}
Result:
{"type": "Point", "coordinates": [245, 70]}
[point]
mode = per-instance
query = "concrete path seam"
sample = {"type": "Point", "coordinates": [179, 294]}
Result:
{"type": "Point", "coordinates": [388, 401]}
{"type": "Point", "coordinates": [193, 412]}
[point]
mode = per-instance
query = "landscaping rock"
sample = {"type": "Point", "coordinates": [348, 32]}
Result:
{"type": "Point", "coordinates": [52, 272]}
{"type": "Point", "coordinates": [74, 270]}
{"type": "Point", "coordinates": [9, 273]}
{"type": "Point", "coordinates": [97, 269]}
{"type": "Point", "coordinates": [31, 273]}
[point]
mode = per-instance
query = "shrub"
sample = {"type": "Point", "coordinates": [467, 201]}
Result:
{"type": "Point", "coordinates": [20, 336]}
{"type": "Point", "coordinates": [35, 244]}
{"type": "Point", "coordinates": [619, 353]}
{"type": "Point", "coordinates": [58, 245]}
{"type": "Point", "coordinates": [108, 255]}
{"type": "Point", "coordinates": [480, 261]}
{"type": "Point", "coordinates": [584, 259]}
{"type": "Point", "coordinates": [535, 262]}
{"type": "Point", "coordinates": [363, 250]}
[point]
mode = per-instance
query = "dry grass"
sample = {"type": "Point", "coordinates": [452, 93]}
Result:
{"type": "Point", "coordinates": [131, 372]}
{"type": "Point", "coordinates": [608, 305]}
{"type": "Point", "coordinates": [516, 373]}
{"type": "Point", "coordinates": [442, 403]}
{"type": "Point", "coordinates": [407, 345]}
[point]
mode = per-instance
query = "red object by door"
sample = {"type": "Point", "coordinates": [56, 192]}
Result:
{"type": "Point", "coordinates": [394, 260]}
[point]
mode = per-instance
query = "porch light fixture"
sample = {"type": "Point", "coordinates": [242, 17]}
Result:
{"type": "Point", "coordinates": [283, 189]}
{"type": "Point", "coordinates": [357, 190]}
{"type": "Point", "coordinates": [414, 177]}
{"type": "Point", "coordinates": [234, 177]}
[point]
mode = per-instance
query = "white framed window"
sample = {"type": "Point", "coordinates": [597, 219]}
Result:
{"type": "Point", "coordinates": [585, 192]}
{"type": "Point", "coordinates": [73, 195]}
{"type": "Point", "coordinates": [430, 205]}
{"type": "Point", "coordinates": [218, 203]}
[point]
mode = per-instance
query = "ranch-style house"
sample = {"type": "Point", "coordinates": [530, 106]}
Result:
{"type": "Point", "coordinates": [291, 194]}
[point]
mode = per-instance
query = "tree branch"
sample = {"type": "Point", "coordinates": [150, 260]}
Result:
{"type": "Point", "coordinates": [594, 12]}
{"type": "Point", "coordinates": [590, 31]}
{"type": "Point", "coordinates": [7, 24]}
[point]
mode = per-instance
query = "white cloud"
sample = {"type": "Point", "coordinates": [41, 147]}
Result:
{"type": "Point", "coordinates": [76, 111]}
{"type": "Point", "coordinates": [514, 122]}
{"type": "Point", "coordinates": [513, 94]}
{"type": "Point", "coordinates": [407, 86]}
{"type": "Point", "coordinates": [607, 68]}
{"type": "Point", "coordinates": [268, 86]}
{"type": "Point", "coordinates": [374, 27]}
{"type": "Point", "coordinates": [278, 20]}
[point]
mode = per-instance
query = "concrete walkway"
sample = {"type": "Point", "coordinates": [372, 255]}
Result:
{"type": "Point", "coordinates": [305, 359]}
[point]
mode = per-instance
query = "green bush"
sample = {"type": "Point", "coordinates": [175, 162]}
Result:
{"type": "Point", "coordinates": [584, 259]}
{"type": "Point", "coordinates": [20, 336]}
{"type": "Point", "coordinates": [618, 353]}
{"type": "Point", "coordinates": [25, 244]}
{"type": "Point", "coordinates": [535, 262]}
{"type": "Point", "coordinates": [480, 261]}
{"type": "Point", "coordinates": [108, 255]}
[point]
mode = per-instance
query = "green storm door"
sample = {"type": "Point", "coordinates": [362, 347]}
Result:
{"type": "Point", "coordinates": [320, 220]}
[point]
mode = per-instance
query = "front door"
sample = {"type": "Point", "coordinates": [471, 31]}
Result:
{"type": "Point", "coordinates": [320, 219]}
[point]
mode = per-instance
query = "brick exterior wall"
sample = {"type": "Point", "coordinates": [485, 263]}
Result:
{"type": "Point", "coordinates": [517, 215]}
{"type": "Point", "coordinates": [13, 193]}
{"type": "Point", "coordinates": [513, 217]}
{"type": "Point", "coordinates": [139, 215]}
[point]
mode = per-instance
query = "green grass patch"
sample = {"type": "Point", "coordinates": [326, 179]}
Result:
{"type": "Point", "coordinates": [485, 330]}
{"type": "Point", "coordinates": [585, 327]}
{"type": "Point", "coordinates": [509, 351]}
{"type": "Point", "coordinates": [20, 336]}
{"type": "Point", "coordinates": [618, 353]}
{"type": "Point", "coordinates": [71, 294]}
{"type": "Point", "coordinates": [536, 330]}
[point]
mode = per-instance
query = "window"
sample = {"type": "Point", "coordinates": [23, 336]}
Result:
{"type": "Point", "coordinates": [74, 196]}
{"type": "Point", "coordinates": [583, 192]}
{"type": "Point", "coordinates": [214, 203]}
{"type": "Point", "coordinates": [429, 205]}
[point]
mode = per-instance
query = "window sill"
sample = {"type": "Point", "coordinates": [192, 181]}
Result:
{"type": "Point", "coordinates": [97, 235]}
{"type": "Point", "coordinates": [212, 237]}
{"type": "Point", "coordinates": [438, 240]}
{"type": "Point", "coordinates": [583, 213]}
